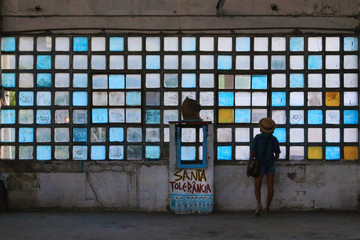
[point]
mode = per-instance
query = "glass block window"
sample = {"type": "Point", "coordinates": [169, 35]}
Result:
{"type": "Point", "coordinates": [111, 97]}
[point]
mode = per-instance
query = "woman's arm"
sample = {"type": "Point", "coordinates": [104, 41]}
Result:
{"type": "Point", "coordinates": [251, 159]}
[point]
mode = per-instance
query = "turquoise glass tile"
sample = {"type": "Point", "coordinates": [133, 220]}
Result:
{"type": "Point", "coordinates": [8, 44]}
{"type": "Point", "coordinates": [153, 62]}
{"type": "Point", "coordinates": [26, 98]}
{"type": "Point", "coordinates": [152, 116]}
{"type": "Point", "coordinates": [80, 152]}
{"type": "Point", "coordinates": [351, 44]}
{"type": "Point", "coordinates": [116, 134]}
{"type": "Point", "coordinates": [296, 44]}
{"type": "Point", "coordinates": [226, 99]}
{"type": "Point", "coordinates": [224, 152]}
{"type": "Point", "coordinates": [315, 117]}
{"type": "Point", "coordinates": [80, 116]}
{"type": "Point", "coordinates": [152, 152]}
{"type": "Point", "coordinates": [80, 98]}
{"type": "Point", "coordinates": [116, 44]}
{"type": "Point", "coordinates": [80, 80]}
{"type": "Point", "coordinates": [278, 99]}
{"type": "Point", "coordinates": [80, 43]}
{"type": "Point", "coordinates": [242, 44]}
{"type": "Point", "coordinates": [259, 82]}
{"type": "Point", "coordinates": [7, 116]}
{"type": "Point", "coordinates": [43, 153]}
{"type": "Point", "coordinates": [100, 115]}
{"type": "Point", "coordinates": [332, 153]}
{"type": "Point", "coordinates": [297, 80]}
{"type": "Point", "coordinates": [188, 153]}
{"type": "Point", "coordinates": [242, 115]}
{"type": "Point", "coordinates": [8, 80]}
{"type": "Point", "coordinates": [224, 62]}
{"type": "Point", "coordinates": [43, 80]}
{"type": "Point", "coordinates": [98, 152]}
{"type": "Point", "coordinates": [133, 98]}
{"type": "Point", "coordinates": [188, 80]}
{"type": "Point", "coordinates": [280, 134]}
{"type": "Point", "coordinates": [314, 62]}
{"type": "Point", "coordinates": [351, 116]}
{"type": "Point", "coordinates": [80, 135]}
{"type": "Point", "coordinates": [116, 81]}
{"type": "Point", "coordinates": [43, 62]}
{"type": "Point", "coordinates": [188, 44]}
{"type": "Point", "coordinates": [43, 116]}
{"type": "Point", "coordinates": [26, 134]}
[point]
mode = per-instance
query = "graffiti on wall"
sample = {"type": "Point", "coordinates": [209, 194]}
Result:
{"type": "Point", "coordinates": [190, 181]}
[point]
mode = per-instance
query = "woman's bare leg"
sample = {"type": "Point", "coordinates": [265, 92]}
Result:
{"type": "Point", "coordinates": [270, 188]}
{"type": "Point", "coordinates": [258, 183]}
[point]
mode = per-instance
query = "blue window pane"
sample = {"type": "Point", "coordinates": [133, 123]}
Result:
{"type": "Point", "coordinates": [242, 44]}
{"type": "Point", "coordinates": [80, 98]}
{"type": "Point", "coordinates": [116, 134]}
{"type": "Point", "coordinates": [98, 152]}
{"type": "Point", "coordinates": [80, 80]}
{"type": "Point", "coordinates": [188, 153]}
{"type": "Point", "coordinates": [188, 80]}
{"type": "Point", "coordinates": [278, 99]}
{"type": "Point", "coordinates": [224, 62]}
{"type": "Point", "coordinates": [43, 80]}
{"type": "Point", "coordinates": [117, 81]}
{"type": "Point", "coordinates": [116, 44]}
{"type": "Point", "coordinates": [7, 116]}
{"type": "Point", "coordinates": [278, 62]}
{"type": "Point", "coordinates": [188, 44]}
{"type": "Point", "coordinates": [133, 98]}
{"type": "Point", "coordinates": [152, 152]}
{"type": "Point", "coordinates": [8, 44]}
{"type": "Point", "coordinates": [116, 152]}
{"type": "Point", "coordinates": [26, 134]}
{"type": "Point", "coordinates": [296, 44]}
{"type": "Point", "coordinates": [350, 44]}
{"type": "Point", "coordinates": [152, 116]}
{"type": "Point", "coordinates": [80, 43]}
{"type": "Point", "coordinates": [315, 117]}
{"type": "Point", "coordinates": [224, 153]}
{"type": "Point", "coordinates": [99, 115]}
{"type": "Point", "coordinates": [153, 62]}
{"type": "Point", "coordinates": [280, 134]}
{"type": "Point", "coordinates": [297, 80]}
{"type": "Point", "coordinates": [314, 62]}
{"type": "Point", "coordinates": [80, 134]}
{"type": "Point", "coordinates": [80, 152]}
{"type": "Point", "coordinates": [259, 82]}
{"type": "Point", "coordinates": [26, 98]}
{"type": "Point", "coordinates": [351, 116]}
{"type": "Point", "coordinates": [242, 115]}
{"type": "Point", "coordinates": [43, 116]}
{"type": "Point", "coordinates": [226, 99]}
{"type": "Point", "coordinates": [43, 153]}
{"type": "Point", "coordinates": [8, 80]}
{"type": "Point", "coordinates": [332, 153]}
{"type": "Point", "coordinates": [43, 62]}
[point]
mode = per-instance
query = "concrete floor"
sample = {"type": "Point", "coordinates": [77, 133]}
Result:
{"type": "Point", "coordinates": [135, 225]}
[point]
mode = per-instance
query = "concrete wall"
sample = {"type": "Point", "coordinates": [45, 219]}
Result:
{"type": "Point", "coordinates": [144, 186]}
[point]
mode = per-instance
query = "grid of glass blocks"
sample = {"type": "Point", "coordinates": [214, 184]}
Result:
{"type": "Point", "coordinates": [112, 97]}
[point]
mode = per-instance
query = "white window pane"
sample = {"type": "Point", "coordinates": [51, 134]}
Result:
{"type": "Point", "coordinates": [332, 62]}
{"type": "Point", "coordinates": [243, 62]}
{"type": "Point", "coordinates": [171, 44]}
{"type": "Point", "coordinates": [224, 135]}
{"type": "Point", "coordinates": [351, 98]}
{"type": "Point", "coordinates": [62, 44]}
{"type": "Point", "coordinates": [261, 44]}
{"type": "Point", "coordinates": [296, 153]}
{"type": "Point", "coordinates": [98, 44]}
{"type": "Point", "coordinates": [315, 80]}
{"type": "Point", "coordinates": [351, 135]}
{"type": "Point", "coordinates": [315, 44]}
{"type": "Point", "coordinates": [351, 80]}
{"type": "Point", "coordinates": [242, 99]}
{"type": "Point", "coordinates": [332, 134]}
{"type": "Point", "coordinates": [315, 135]}
{"type": "Point", "coordinates": [206, 44]}
{"type": "Point", "coordinates": [296, 135]}
{"type": "Point", "coordinates": [296, 62]}
{"type": "Point", "coordinates": [279, 116]}
{"type": "Point", "coordinates": [278, 80]}
{"type": "Point", "coordinates": [261, 62]}
{"type": "Point", "coordinates": [242, 134]}
{"type": "Point", "coordinates": [225, 44]}
{"type": "Point", "coordinates": [351, 62]}
{"type": "Point", "coordinates": [259, 99]}
{"type": "Point", "coordinates": [278, 44]}
{"type": "Point", "coordinates": [134, 44]}
{"type": "Point", "coordinates": [26, 43]}
{"type": "Point", "coordinates": [332, 80]}
{"type": "Point", "coordinates": [242, 152]}
{"type": "Point", "coordinates": [332, 44]}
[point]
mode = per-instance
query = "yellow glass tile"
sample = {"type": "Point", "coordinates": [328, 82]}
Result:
{"type": "Point", "coordinates": [351, 153]}
{"type": "Point", "coordinates": [332, 99]}
{"type": "Point", "coordinates": [226, 115]}
{"type": "Point", "coordinates": [315, 152]}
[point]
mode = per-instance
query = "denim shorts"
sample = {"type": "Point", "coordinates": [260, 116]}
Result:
{"type": "Point", "coordinates": [267, 169]}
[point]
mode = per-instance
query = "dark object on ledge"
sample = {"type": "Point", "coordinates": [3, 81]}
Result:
{"type": "Point", "coordinates": [191, 109]}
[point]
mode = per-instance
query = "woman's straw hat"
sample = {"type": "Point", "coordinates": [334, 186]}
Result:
{"type": "Point", "coordinates": [267, 125]}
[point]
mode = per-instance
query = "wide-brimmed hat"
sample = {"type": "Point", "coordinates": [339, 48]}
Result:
{"type": "Point", "coordinates": [267, 125]}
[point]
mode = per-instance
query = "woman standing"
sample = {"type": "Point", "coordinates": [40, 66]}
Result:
{"type": "Point", "coordinates": [265, 149]}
